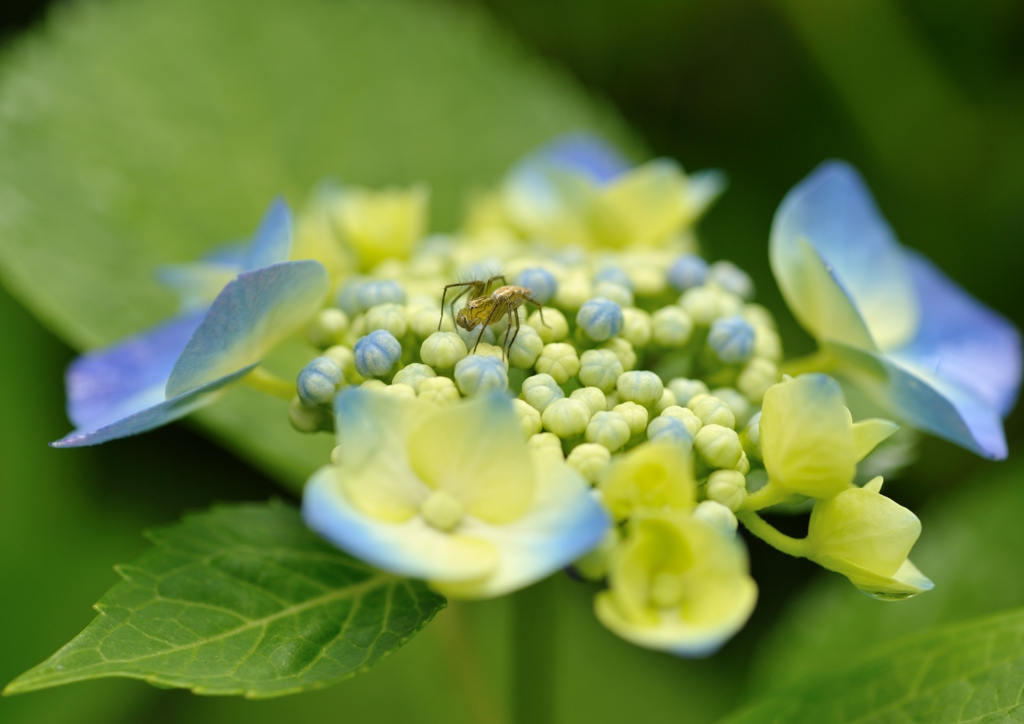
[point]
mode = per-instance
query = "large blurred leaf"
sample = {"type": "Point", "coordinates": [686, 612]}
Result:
{"type": "Point", "coordinates": [967, 672]}
{"type": "Point", "coordinates": [972, 546]}
{"type": "Point", "coordinates": [241, 600]}
{"type": "Point", "coordinates": [138, 132]}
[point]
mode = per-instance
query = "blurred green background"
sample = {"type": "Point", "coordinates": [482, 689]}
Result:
{"type": "Point", "coordinates": [925, 97]}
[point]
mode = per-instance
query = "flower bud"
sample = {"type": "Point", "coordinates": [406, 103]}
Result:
{"type": "Point", "coordinates": [306, 418]}
{"type": "Point", "coordinates": [617, 293]}
{"type": "Point", "coordinates": [751, 436]}
{"type": "Point", "coordinates": [443, 350]}
{"type": "Point", "coordinates": [635, 415]}
{"type": "Point", "coordinates": [672, 326]}
{"type": "Point", "coordinates": [687, 271]}
{"type": "Point", "coordinates": [389, 317]}
{"type": "Point", "coordinates": [609, 429]}
{"type": "Point", "coordinates": [540, 282]}
{"type": "Point", "coordinates": [623, 350]}
{"type": "Point", "coordinates": [554, 328]}
{"type": "Point", "coordinates": [757, 376]}
{"type": "Point", "coordinates": [400, 389]}
{"type": "Point", "coordinates": [476, 373]}
{"type": "Point", "coordinates": [712, 411]}
{"type": "Point", "coordinates": [641, 387]}
{"type": "Point", "coordinates": [358, 295]}
{"type": "Point", "coordinates": [718, 446]}
{"type": "Point", "coordinates": [545, 443]}
{"type": "Point", "coordinates": [600, 368]}
{"type": "Point", "coordinates": [731, 278]}
{"type": "Point", "coordinates": [649, 476]}
{"type": "Point", "coordinates": [573, 290]}
{"type": "Point", "coordinates": [667, 400]}
{"type": "Point", "coordinates": [423, 321]}
{"type": "Point", "coordinates": [318, 381]}
{"type": "Point", "coordinates": [526, 348]}
{"type": "Point", "coordinates": [375, 385]}
{"type": "Point", "coordinates": [541, 390]}
{"type": "Point", "coordinates": [527, 417]}
{"type": "Point", "coordinates": [600, 318]}
{"type": "Point", "coordinates": [670, 430]}
{"type": "Point", "coordinates": [636, 328]}
{"type": "Point", "coordinates": [767, 344]}
{"type": "Point", "coordinates": [479, 335]}
{"type": "Point", "coordinates": [566, 417]}
{"type": "Point", "coordinates": [758, 316]}
{"type": "Point", "coordinates": [589, 460]}
{"type": "Point", "coordinates": [615, 275]}
{"type": "Point", "coordinates": [685, 390]}
{"type": "Point", "coordinates": [727, 487]}
{"type": "Point", "coordinates": [345, 359]}
{"type": "Point", "coordinates": [377, 353]}
{"type": "Point", "coordinates": [686, 416]}
{"type": "Point", "coordinates": [731, 339]}
{"type": "Point", "coordinates": [717, 515]}
{"type": "Point", "coordinates": [438, 390]}
{"type": "Point", "coordinates": [413, 375]}
{"type": "Point", "coordinates": [592, 397]}
{"type": "Point", "coordinates": [700, 304]}
{"type": "Point", "coordinates": [327, 328]}
{"type": "Point", "coordinates": [558, 360]}
{"type": "Point", "coordinates": [737, 403]}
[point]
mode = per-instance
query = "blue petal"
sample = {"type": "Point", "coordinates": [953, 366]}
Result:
{"type": "Point", "coordinates": [962, 341]}
{"type": "Point", "coordinates": [198, 283]}
{"type": "Point", "coordinates": [158, 414]}
{"type": "Point", "coordinates": [272, 243]}
{"type": "Point", "coordinates": [585, 153]}
{"type": "Point", "coordinates": [108, 384]}
{"type": "Point", "coordinates": [253, 313]}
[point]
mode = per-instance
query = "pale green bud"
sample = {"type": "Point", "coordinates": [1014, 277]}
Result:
{"type": "Point", "coordinates": [423, 321]}
{"type": "Point", "coordinates": [743, 466]}
{"type": "Point", "coordinates": [616, 292]}
{"type": "Point", "coordinates": [443, 350]}
{"type": "Point", "coordinates": [477, 374]}
{"type": "Point", "coordinates": [718, 446]}
{"type": "Point", "coordinates": [623, 350]}
{"type": "Point", "coordinates": [727, 487]}
{"type": "Point", "coordinates": [389, 317]}
{"type": "Point", "coordinates": [751, 436]}
{"type": "Point", "coordinates": [545, 442]}
{"type": "Point", "coordinates": [712, 411]}
{"type": "Point", "coordinates": [700, 305]}
{"type": "Point", "coordinates": [526, 348]}
{"type": "Point", "coordinates": [592, 397]}
{"type": "Point", "coordinates": [566, 417]}
{"type": "Point", "coordinates": [767, 344]}
{"type": "Point", "coordinates": [685, 390]}
{"type": "Point", "coordinates": [613, 399]}
{"type": "Point", "coordinates": [305, 418]}
{"type": "Point", "coordinates": [641, 387]}
{"type": "Point", "coordinates": [442, 510]}
{"type": "Point", "coordinates": [356, 330]}
{"type": "Point", "coordinates": [485, 335]}
{"type": "Point", "coordinates": [327, 328]}
{"type": "Point", "coordinates": [573, 290]}
{"type": "Point", "coordinates": [672, 327]}
{"type": "Point", "coordinates": [636, 328]}
{"type": "Point", "coordinates": [757, 376]}
{"type": "Point", "coordinates": [345, 359]}
{"type": "Point", "coordinates": [670, 430]}
{"type": "Point", "coordinates": [609, 429]}
{"type": "Point", "coordinates": [413, 375]}
{"type": "Point", "coordinates": [558, 360]}
{"type": "Point", "coordinates": [438, 390]}
{"type": "Point", "coordinates": [689, 419]}
{"type": "Point", "coordinates": [758, 316]}
{"type": "Point", "coordinates": [589, 460]}
{"type": "Point", "coordinates": [667, 400]}
{"type": "Point", "coordinates": [374, 384]}
{"type": "Point", "coordinates": [556, 329]}
{"type": "Point", "coordinates": [600, 368]}
{"type": "Point", "coordinates": [717, 515]}
{"type": "Point", "coordinates": [400, 390]}
{"type": "Point", "coordinates": [541, 390]}
{"type": "Point", "coordinates": [528, 418]}
{"type": "Point", "coordinates": [489, 350]}
{"type": "Point", "coordinates": [636, 416]}
{"type": "Point", "coordinates": [737, 402]}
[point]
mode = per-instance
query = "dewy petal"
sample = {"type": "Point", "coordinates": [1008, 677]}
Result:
{"type": "Point", "coordinates": [252, 314]}
{"type": "Point", "coordinates": [475, 451]}
{"type": "Point", "coordinates": [160, 413]}
{"type": "Point", "coordinates": [565, 522]}
{"type": "Point", "coordinates": [961, 340]}
{"type": "Point", "coordinates": [834, 212]}
{"type": "Point", "coordinates": [584, 153]}
{"type": "Point", "coordinates": [108, 384]}
{"type": "Point", "coordinates": [411, 548]}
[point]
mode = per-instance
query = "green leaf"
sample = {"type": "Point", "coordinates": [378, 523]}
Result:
{"type": "Point", "coordinates": [141, 132]}
{"type": "Point", "coordinates": [967, 672]}
{"type": "Point", "coordinates": [241, 600]}
{"type": "Point", "coordinates": [972, 547]}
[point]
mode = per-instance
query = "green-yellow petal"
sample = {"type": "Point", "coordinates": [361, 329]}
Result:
{"type": "Point", "coordinates": [649, 476]}
{"type": "Point", "coordinates": [867, 434]}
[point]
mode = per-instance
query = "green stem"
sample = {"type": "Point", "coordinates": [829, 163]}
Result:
{"type": "Point", "coordinates": [820, 361]}
{"type": "Point", "coordinates": [466, 666]}
{"type": "Point", "coordinates": [796, 547]}
{"type": "Point", "coordinates": [766, 497]}
{"type": "Point", "coordinates": [534, 626]}
{"type": "Point", "coordinates": [270, 384]}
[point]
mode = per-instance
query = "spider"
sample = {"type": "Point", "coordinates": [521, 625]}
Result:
{"type": "Point", "coordinates": [486, 306]}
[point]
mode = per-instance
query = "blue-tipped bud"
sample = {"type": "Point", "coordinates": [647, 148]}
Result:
{"type": "Point", "coordinates": [358, 295]}
{"type": "Point", "coordinates": [478, 373]}
{"type": "Point", "coordinates": [732, 339]}
{"type": "Point", "coordinates": [541, 283]}
{"type": "Point", "coordinates": [614, 275]}
{"type": "Point", "coordinates": [377, 353]}
{"type": "Point", "coordinates": [318, 381]}
{"type": "Point", "coordinates": [687, 271]}
{"type": "Point", "coordinates": [670, 429]}
{"type": "Point", "coordinates": [600, 318]}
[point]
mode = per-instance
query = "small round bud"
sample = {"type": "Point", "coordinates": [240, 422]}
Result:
{"type": "Point", "coordinates": [636, 328]}
{"type": "Point", "coordinates": [327, 328]}
{"type": "Point", "coordinates": [685, 390]}
{"type": "Point", "coordinates": [423, 321]}
{"type": "Point", "coordinates": [377, 353]}
{"type": "Point", "coordinates": [767, 343]}
{"type": "Point", "coordinates": [400, 389]}
{"type": "Point", "coordinates": [618, 293]}
{"type": "Point", "coordinates": [589, 460]}
{"type": "Point", "coordinates": [475, 374]}
{"type": "Point", "coordinates": [358, 295]}
{"type": "Point", "coordinates": [713, 411]}
{"type": "Point", "coordinates": [442, 510]}
{"type": "Point", "coordinates": [755, 379]}
{"type": "Point", "coordinates": [642, 387]}
{"type": "Point", "coordinates": [731, 278]}
{"type": "Point", "coordinates": [615, 275]}
{"type": "Point", "coordinates": [558, 360]}
{"type": "Point", "coordinates": [471, 337]}
{"type": "Point", "coordinates": [718, 515]}
{"type": "Point", "coordinates": [438, 390]}
{"type": "Point", "coordinates": [623, 350]}
{"type": "Point", "coordinates": [667, 400]}
{"type": "Point", "coordinates": [443, 350]}
{"type": "Point", "coordinates": [539, 391]}
{"type": "Point", "coordinates": [670, 429]}
{"type": "Point", "coordinates": [344, 358]}
{"type": "Point", "coordinates": [751, 437]}
{"type": "Point", "coordinates": [600, 368]}
{"type": "Point", "coordinates": [743, 466]}
{"type": "Point", "coordinates": [686, 416]}
{"type": "Point", "coordinates": [648, 276]}
{"type": "Point", "coordinates": [305, 418]}
{"type": "Point", "coordinates": [609, 429]}
{"type": "Point", "coordinates": [375, 385]}
{"type": "Point", "coordinates": [687, 271]}
{"type": "Point", "coordinates": [592, 397]}
{"type": "Point", "coordinates": [390, 317]}
{"type": "Point", "coordinates": [566, 417]}
{"type": "Point", "coordinates": [758, 316]}
{"type": "Point", "coordinates": [727, 487]}
{"type": "Point", "coordinates": [732, 339]}
{"type": "Point", "coordinates": [489, 350]}
{"type": "Point", "coordinates": [527, 417]}
{"type": "Point", "coordinates": [554, 327]}
{"type": "Point", "coordinates": [539, 281]}
{"type": "Point", "coordinates": [600, 318]}
{"type": "Point", "coordinates": [718, 446]}
{"type": "Point", "coordinates": [574, 289]}
{"type": "Point", "coordinates": [318, 381]}
{"type": "Point", "coordinates": [545, 442]}
{"type": "Point", "coordinates": [700, 304]}
{"type": "Point", "coordinates": [635, 415]}
{"type": "Point", "coordinates": [526, 348]}
{"type": "Point", "coordinates": [671, 326]}
{"type": "Point", "coordinates": [413, 375]}
{"type": "Point", "coordinates": [740, 405]}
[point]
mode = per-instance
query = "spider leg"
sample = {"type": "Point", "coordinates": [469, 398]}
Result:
{"type": "Point", "coordinates": [467, 287]}
{"type": "Point", "coordinates": [540, 309]}
{"type": "Point", "coordinates": [513, 310]}
{"type": "Point", "coordinates": [487, 287]}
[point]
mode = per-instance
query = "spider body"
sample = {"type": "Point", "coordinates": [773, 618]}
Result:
{"type": "Point", "coordinates": [487, 305]}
